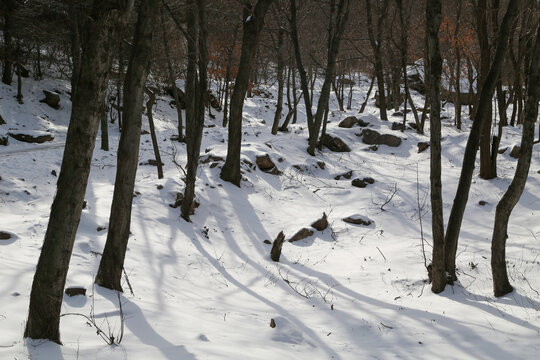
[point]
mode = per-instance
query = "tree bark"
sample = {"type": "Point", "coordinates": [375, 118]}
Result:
{"type": "Point", "coordinates": [433, 22]}
{"type": "Point", "coordinates": [280, 76]}
{"type": "Point", "coordinates": [172, 82]}
{"type": "Point", "coordinates": [228, 77]}
{"type": "Point", "coordinates": [7, 72]}
{"type": "Point", "coordinates": [149, 105]}
{"type": "Point", "coordinates": [252, 26]}
{"type": "Point", "coordinates": [50, 277]}
{"type": "Point", "coordinates": [104, 128]}
{"type": "Point", "coordinates": [195, 94]}
{"type": "Point", "coordinates": [501, 284]}
{"type": "Point", "coordinates": [109, 274]}
{"type": "Point", "coordinates": [471, 149]}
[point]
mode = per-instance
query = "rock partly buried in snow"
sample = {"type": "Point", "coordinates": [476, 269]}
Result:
{"type": "Point", "coordinates": [39, 139]}
{"type": "Point", "coordinates": [4, 235]}
{"type": "Point", "coordinates": [301, 234]}
{"type": "Point", "coordinates": [422, 145]}
{"type": "Point", "coordinates": [335, 144]}
{"type": "Point", "coordinates": [362, 183]}
{"type": "Point", "coordinates": [398, 126]}
{"type": "Point", "coordinates": [502, 150]}
{"type": "Point", "coordinates": [52, 99]}
{"type": "Point", "coordinates": [265, 163]}
{"type": "Point", "coordinates": [4, 140]}
{"type": "Point", "coordinates": [358, 220]}
{"type": "Point", "coordinates": [321, 224]}
{"type": "Point", "coordinates": [348, 122]}
{"type": "Point", "coordinates": [346, 175]}
{"type": "Point", "coordinates": [2, 121]}
{"type": "Point", "coordinates": [362, 123]}
{"type": "Point", "coordinates": [372, 137]}
{"type": "Point", "coordinates": [74, 291]}
{"type": "Point", "coordinates": [516, 152]}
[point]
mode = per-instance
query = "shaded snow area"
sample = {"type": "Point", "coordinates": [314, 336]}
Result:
{"type": "Point", "coordinates": [209, 290]}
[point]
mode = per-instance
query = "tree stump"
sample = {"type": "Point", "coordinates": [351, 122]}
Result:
{"type": "Point", "coordinates": [275, 253]}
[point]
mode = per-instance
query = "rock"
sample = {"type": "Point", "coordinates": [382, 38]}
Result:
{"type": "Point", "coordinates": [2, 121]}
{"type": "Point", "coordinates": [359, 183]}
{"type": "Point", "coordinates": [100, 228]}
{"type": "Point", "coordinates": [348, 122]}
{"type": "Point", "coordinates": [159, 187]}
{"type": "Point", "coordinates": [422, 145]}
{"type": "Point", "coordinates": [412, 125]}
{"type": "Point", "coordinates": [53, 172]}
{"type": "Point", "coordinates": [272, 323]}
{"type": "Point", "coordinates": [347, 175]}
{"type": "Point", "coordinates": [205, 159]}
{"type": "Point", "coordinates": [74, 291]}
{"type": "Point", "coordinates": [52, 99]}
{"type": "Point", "coordinates": [265, 163]}
{"type": "Point", "coordinates": [275, 253]}
{"type": "Point", "coordinates": [516, 152]}
{"type": "Point", "coordinates": [358, 220]}
{"type": "Point", "coordinates": [321, 224]}
{"type": "Point", "coordinates": [482, 203]}
{"type": "Point", "coordinates": [301, 234]}
{"type": "Point", "coordinates": [4, 235]}
{"type": "Point", "coordinates": [181, 96]}
{"type": "Point", "coordinates": [31, 139]}
{"type": "Point", "coordinates": [398, 126]}
{"type": "Point", "coordinates": [268, 242]}
{"type": "Point", "coordinates": [321, 165]}
{"type": "Point", "coordinates": [362, 183]}
{"type": "Point", "coordinates": [4, 140]}
{"type": "Point", "coordinates": [502, 150]}
{"type": "Point", "coordinates": [335, 144]}
{"type": "Point", "coordinates": [373, 147]}
{"type": "Point", "coordinates": [24, 71]}
{"type": "Point", "coordinates": [362, 123]}
{"type": "Point", "coordinates": [397, 113]}
{"type": "Point", "coordinates": [146, 132]}
{"type": "Point", "coordinates": [372, 137]}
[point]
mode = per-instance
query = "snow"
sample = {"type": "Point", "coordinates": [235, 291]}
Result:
{"type": "Point", "coordinates": [208, 289]}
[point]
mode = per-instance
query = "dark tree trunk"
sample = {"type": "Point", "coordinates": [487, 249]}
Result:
{"type": "Point", "coordinates": [75, 36]}
{"type": "Point", "coordinates": [7, 72]}
{"type": "Point", "coordinates": [486, 167]}
{"type": "Point", "coordinates": [19, 77]}
{"type": "Point", "coordinates": [501, 284]}
{"type": "Point", "coordinates": [252, 26]}
{"type": "Point", "coordinates": [301, 70]}
{"type": "Point", "coordinates": [281, 80]}
{"type": "Point", "coordinates": [228, 77]}
{"type": "Point", "coordinates": [149, 105]}
{"type": "Point", "coordinates": [87, 104]}
{"type": "Point", "coordinates": [104, 128]}
{"type": "Point", "coordinates": [433, 21]}
{"type": "Point", "coordinates": [363, 107]}
{"type": "Point", "coordinates": [172, 82]}
{"type": "Point", "coordinates": [109, 274]}
{"type": "Point", "coordinates": [338, 19]}
{"type": "Point", "coordinates": [376, 45]}
{"type": "Point", "coordinates": [471, 149]}
{"type": "Point", "coordinates": [195, 94]}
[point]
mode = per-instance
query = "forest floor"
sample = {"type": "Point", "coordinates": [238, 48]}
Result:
{"type": "Point", "coordinates": [208, 289]}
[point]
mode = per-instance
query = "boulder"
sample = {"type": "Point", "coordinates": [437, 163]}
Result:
{"type": "Point", "coordinates": [362, 183]}
{"type": "Point", "coordinates": [265, 163]}
{"type": "Point", "coordinates": [398, 126]}
{"type": "Point", "coordinates": [422, 145]}
{"type": "Point", "coordinates": [321, 224]}
{"type": "Point", "coordinates": [362, 123]}
{"type": "Point", "coordinates": [52, 99]}
{"type": "Point", "coordinates": [39, 139]}
{"type": "Point", "coordinates": [348, 122]}
{"type": "Point", "coordinates": [301, 234]}
{"type": "Point", "coordinates": [335, 144]}
{"type": "Point", "coordinates": [372, 137]}
{"type": "Point", "coordinates": [4, 235]}
{"type": "Point", "coordinates": [346, 175]}
{"type": "Point", "coordinates": [74, 291]}
{"type": "Point", "coordinates": [358, 220]}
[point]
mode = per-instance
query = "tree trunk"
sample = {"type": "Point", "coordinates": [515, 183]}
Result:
{"type": "Point", "coordinates": [376, 45]}
{"type": "Point", "coordinates": [109, 274]}
{"type": "Point", "coordinates": [87, 104]}
{"type": "Point", "coordinates": [149, 105]}
{"type": "Point", "coordinates": [7, 73]}
{"type": "Point", "coordinates": [195, 94]}
{"type": "Point", "coordinates": [172, 82]}
{"type": "Point", "coordinates": [501, 284]}
{"type": "Point", "coordinates": [471, 149]}
{"type": "Point", "coordinates": [433, 21]}
{"type": "Point", "coordinates": [252, 26]}
{"type": "Point", "coordinates": [280, 77]}
{"type": "Point", "coordinates": [228, 77]}
{"type": "Point", "coordinates": [104, 128]}
{"type": "Point", "coordinates": [363, 107]}
{"type": "Point", "coordinates": [19, 77]}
